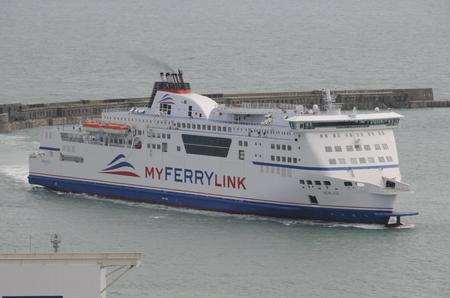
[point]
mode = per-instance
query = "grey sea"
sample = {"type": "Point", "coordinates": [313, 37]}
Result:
{"type": "Point", "coordinates": [56, 51]}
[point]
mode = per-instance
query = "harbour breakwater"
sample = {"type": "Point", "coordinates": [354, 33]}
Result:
{"type": "Point", "coordinates": [21, 116]}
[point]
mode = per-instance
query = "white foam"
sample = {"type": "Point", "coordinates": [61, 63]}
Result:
{"type": "Point", "coordinates": [17, 172]}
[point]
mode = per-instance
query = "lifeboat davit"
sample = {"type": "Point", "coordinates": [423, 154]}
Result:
{"type": "Point", "coordinates": [93, 125]}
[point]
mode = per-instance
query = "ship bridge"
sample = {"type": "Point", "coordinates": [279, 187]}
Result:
{"type": "Point", "coordinates": [344, 120]}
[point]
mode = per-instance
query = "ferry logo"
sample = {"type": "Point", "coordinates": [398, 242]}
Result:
{"type": "Point", "coordinates": [201, 177]}
{"type": "Point", "coordinates": [167, 99]}
{"type": "Point", "coordinates": [118, 166]}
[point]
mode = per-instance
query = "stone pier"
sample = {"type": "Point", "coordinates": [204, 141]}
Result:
{"type": "Point", "coordinates": [21, 116]}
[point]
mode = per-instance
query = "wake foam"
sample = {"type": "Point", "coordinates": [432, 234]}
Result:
{"type": "Point", "coordinates": [18, 173]}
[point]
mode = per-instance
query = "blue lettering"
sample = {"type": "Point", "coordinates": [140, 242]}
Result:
{"type": "Point", "coordinates": [187, 175]}
{"type": "Point", "coordinates": [198, 176]}
{"type": "Point", "coordinates": [168, 171]}
{"type": "Point", "coordinates": [209, 177]}
{"type": "Point", "coordinates": [178, 172]}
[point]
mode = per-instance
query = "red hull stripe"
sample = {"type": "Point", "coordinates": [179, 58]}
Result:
{"type": "Point", "coordinates": [122, 173]}
{"type": "Point", "coordinates": [179, 91]}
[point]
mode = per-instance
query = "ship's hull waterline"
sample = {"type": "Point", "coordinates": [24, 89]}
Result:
{"type": "Point", "coordinates": [212, 203]}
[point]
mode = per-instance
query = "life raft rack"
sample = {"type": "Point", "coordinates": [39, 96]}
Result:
{"type": "Point", "coordinates": [107, 127]}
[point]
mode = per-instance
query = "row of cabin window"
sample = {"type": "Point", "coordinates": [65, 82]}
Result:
{"type": "Point", "coordinates": [316, 182]}
{"type": "Point", "coordinates": [281, 147]}
{"type": "Point", "coordinates": [200, 126]}
{"type": "Point", "coordinates": [319, 183]}
{"type": "Point", "coordinates": [352, 134]}
{"type": "Point", "coordinates": [162, 146]}
{"type": "Point", "coordinates": [220, 128]}
{"type": "Point", "coordinates": [161, 135]}
{"type": "Point", "coordinates": [361, 160]}
{"type": "Point", "coordinates": [351, 148]}
{"type": "Point", "coordinates": [245, 143]}
{"type": "Point", "coordinates": [203, 127]}
{"type": "Point", "coordinates": [284, 159]}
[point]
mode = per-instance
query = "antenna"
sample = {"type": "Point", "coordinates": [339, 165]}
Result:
{"type": "Point", "coordinates": [55, 240]}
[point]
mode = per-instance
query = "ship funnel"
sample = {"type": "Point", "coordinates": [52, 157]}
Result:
{"type": "Point", "coordinates": [170, 82]}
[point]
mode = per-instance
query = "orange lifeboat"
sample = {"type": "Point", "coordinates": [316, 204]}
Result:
{"type": "Point", "coordinates": [106, 127]}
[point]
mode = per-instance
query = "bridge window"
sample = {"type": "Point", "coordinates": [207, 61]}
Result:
{"type": "Point", "coordinates": [327, 182]}
{"type": "Point", "coordinates": [294, 160]}
{"type": "Point", "coordinates": [348, 183]}
{"type": "Point", "coordinates": [389, 158]}
{"type": "Point", "coordinates": [349, 148]}
{"type": "Point", "coordinates": [328, 149]}
{"type": "Point", "coordinates": [241, 154]}
{"type": "Point", "coordinates": [354, 160]}
{"type": "Point", "coordinates": [367, 147]}
{"type": "Point", "coordinates": [370, 160]}
{"type": "Point", "coordinates": [317, 182]}
{"type": "Point", "coordinates": [338, 148]}
{"type": "Point", "coordinates": [385, 147]}
{"type": "Point", "coordinates": [332, 161]}
{"type": "Point", "coordinates": [165, 108]}
{"type": "Point", "coordinates": [377, 147]}
{"type": "Point", "coordinates": [358, 148]}
{"type": "Point", "coordinates": [362, 160]}
{"type": "Point", "coordinates": [381, 159]}
{"type": "Point", "coordinates": [341, 161]}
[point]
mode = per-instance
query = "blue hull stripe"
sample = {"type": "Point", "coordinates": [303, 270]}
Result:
{"type": "Point", "coordinates": [323, 168]}
{"type": "Point", "coordinates": [203, 202]}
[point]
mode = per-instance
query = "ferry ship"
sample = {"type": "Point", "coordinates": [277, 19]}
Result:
{"type": "Point", "coordinates": [274, 160]}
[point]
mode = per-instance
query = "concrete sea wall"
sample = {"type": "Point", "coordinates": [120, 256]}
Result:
{"type": "Point", "coordinates": [21, 116]}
